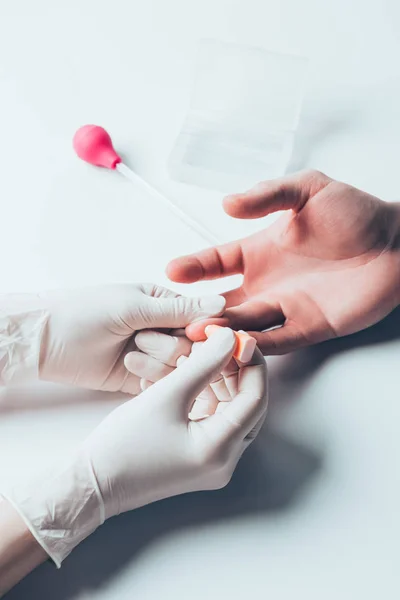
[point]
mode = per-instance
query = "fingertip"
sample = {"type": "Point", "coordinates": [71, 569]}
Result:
{"type": "Point", "coordinates": [146, 339]}
{"type": "Point", "coordinates": [233, 205]}
{"type": "Point", "coordinates": [201, 368]}
{"type": "Point", "coordinates": [212, 306]}
{"type": "Point", "coordinates": [128, 361]}
{"type": "Point", "coordinates": [185, 269]}
{"type": "Point", "coordinates": [172, 270]}
{"type": "Point", "coordinates": [250, 205]}
{"type": "Point", "coordinates": [221, 337]}
{"type": "Point", "coordinates": [196, 331]}
{"type": "Point", "coordinates": [221, 342]}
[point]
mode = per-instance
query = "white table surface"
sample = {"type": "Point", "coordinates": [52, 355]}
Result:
{"type": "Point", "coordinates": [313, 511]}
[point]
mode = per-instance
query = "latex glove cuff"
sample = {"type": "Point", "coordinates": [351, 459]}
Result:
{"type": "Point", "coordinates": [22, 320]}
{"type": "Point", "coordinates": [62, 507]}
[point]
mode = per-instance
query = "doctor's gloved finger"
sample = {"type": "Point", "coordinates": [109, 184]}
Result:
{"type": "Point", "coordinates": [220, 389]}
{"type": "Point", "coordinates": [205, 404]}
{"type": "Point", "coordinates": [131, 385]}
{"type": "Point", "coordinates": [190, 378]}
{"type": "Point", "coordinates": [158, 291]}
{"type": "Point", "coordinates": [180, 311]}
{"type": "Point", "coordinates": [154, 309]}
{"type": "Point", "coordinates": [217, 384]}
{"type": "Point", "coordinates": [146, 367]}
{"type": "Point", "coordinates": [243, 413]}
{"type": "Point", "coordinates": [163, 347]}
{"type": "Point", "coordinates": [231, 377]}
{"type": "Point", "coordinates": [195, 331]}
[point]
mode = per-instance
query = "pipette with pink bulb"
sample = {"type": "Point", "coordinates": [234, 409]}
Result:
{"type": "Point", "coordinates": [93, 144]}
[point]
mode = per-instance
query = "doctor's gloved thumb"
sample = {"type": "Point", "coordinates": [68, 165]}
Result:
{"type": "Point", "coordinates": [196, 372]}
{"type": "Point", "coordinates": [180, 311]}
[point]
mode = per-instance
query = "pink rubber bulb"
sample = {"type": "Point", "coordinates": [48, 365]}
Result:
{"type": "Point", "coordinates": [93, 144]}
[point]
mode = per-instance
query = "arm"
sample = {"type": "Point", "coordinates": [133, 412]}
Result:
{"type": "Point", "coordinates": [20, 553]}
{"type": "Point", "coordinates": [54, 337]}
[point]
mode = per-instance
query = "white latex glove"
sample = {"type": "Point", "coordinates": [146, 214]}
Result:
{"type": "Point", "coordinates": [81, 336]}
{"type": "Point", "coordinates": [147, 449]}
{"type": "Point", "coordinates": [156, 354]}
{"type": "Point", "coordinates": [159, 354]}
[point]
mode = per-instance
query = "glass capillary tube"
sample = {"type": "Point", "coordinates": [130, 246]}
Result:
{"type": "Point", "coordinates": [178, 212]}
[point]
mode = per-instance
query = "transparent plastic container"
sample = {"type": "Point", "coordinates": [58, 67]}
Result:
{"type": "Point", "coordinates": [242, 119]}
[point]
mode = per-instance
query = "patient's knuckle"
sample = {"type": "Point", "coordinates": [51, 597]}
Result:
{"type": "Point", "coordinates": [313, 174]}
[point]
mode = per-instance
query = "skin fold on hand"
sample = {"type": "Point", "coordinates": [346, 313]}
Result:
{"type": "Point", "coordinates": [328, 266]}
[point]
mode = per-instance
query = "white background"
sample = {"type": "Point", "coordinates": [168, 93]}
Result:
{"type": "Point", "coordinates": [314, 509]}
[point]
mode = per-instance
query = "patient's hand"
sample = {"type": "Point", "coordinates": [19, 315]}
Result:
{"type": "Point", "coordinates": [329, 266]}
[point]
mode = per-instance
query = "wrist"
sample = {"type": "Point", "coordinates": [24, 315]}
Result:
{"type": "Point", "coordinates": [22, 320]}
{"type": "Point", "coordinates": [62, 508]}
{"type": "Point", "coordinates": [19, 551]}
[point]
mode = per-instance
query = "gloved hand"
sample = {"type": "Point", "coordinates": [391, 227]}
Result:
{"type": "Point", "coordinates": [157, 354]}
{"type": "Point", "coordinates": [329, 266]}
{"type": "Point", "coordinates": [146, 450]}
{"type": "Point", "coordinates": [81, 336]}
{"type": "Point", "coordinates": [161, 353]}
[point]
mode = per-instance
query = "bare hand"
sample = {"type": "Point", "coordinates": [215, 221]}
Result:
{"type": "Point", "coordinates": [329, 266]}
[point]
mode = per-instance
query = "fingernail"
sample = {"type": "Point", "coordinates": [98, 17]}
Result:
{"type": "Point", "coordinates": [127, 360]}
{"type": "Point", "coordinates": [212, 306]}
